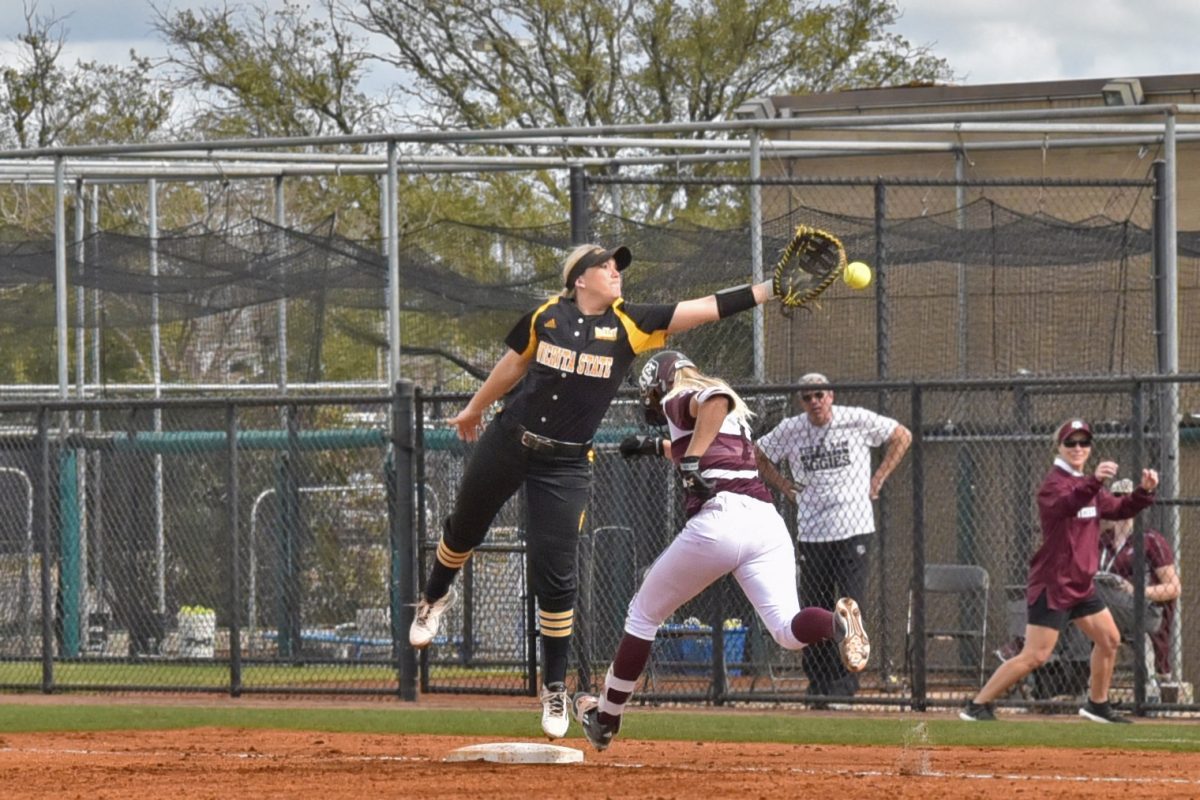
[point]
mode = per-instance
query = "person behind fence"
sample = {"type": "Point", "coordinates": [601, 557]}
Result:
{"type": "Point", "coordinates": [1161, 577]}
{"type": "Point", "coordinates": [828, 451]}
{"type": "Point", "coordinates": [563, 365]}
{"type": "Point", "coordinates": [1060, 589]}
{"type": "Point", "coordinates": [732, 527]}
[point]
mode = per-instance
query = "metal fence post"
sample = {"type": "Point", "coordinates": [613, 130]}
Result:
{"type": "Point", "coordinates": [234, 604]}
{"type": "Point", "coordinates": [403, 534]}
{"type": "Point", "coordinates": [1139, 557]}
{"type": "Point", "coordinates": [288, 487]}
{"type": "Point", "coordinates": [42, 530]}
{"type": "Point", "coordinates": [882, 537]}
{"type": "Point", "coordinates": [881, 296]}
{"type": "Point", "coordinates": [756, 262]}
{"type": "Point", "coordinates": [917, 641]}
{"type": "Point", "coordinates": [716, 621]}
{"type": "Point", "coordinates": [581, 224]}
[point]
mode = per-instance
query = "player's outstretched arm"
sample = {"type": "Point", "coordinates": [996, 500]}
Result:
{"type": "Point", "coordinates": [713, 307]}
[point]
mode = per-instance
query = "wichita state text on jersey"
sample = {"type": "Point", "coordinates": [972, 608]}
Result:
{"type": "Point", "coordinates": [578, 363]}
{"type": "Point", "coordinates": [560, 358]}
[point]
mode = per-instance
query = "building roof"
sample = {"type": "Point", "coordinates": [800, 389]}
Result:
{"type": "Point", "coordinates": [1157, 88]}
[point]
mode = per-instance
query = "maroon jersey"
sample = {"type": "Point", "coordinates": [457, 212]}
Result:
{"type": "Point", "coordinates": [728, 463]}
{"type": "Point", "coordinates": [1071, 506]}
{"type": "Point", "coordinates": [1158, 554]}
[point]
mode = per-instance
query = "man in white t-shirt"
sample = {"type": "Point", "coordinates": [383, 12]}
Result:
{"type": "Point", "coordinates": [828, 452]}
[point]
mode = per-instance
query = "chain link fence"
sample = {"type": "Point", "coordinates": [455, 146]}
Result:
{"type": "Point", "coordinates": [963, 498]}
{"type": "Point", "coordinates": [148, 554]}
{"type": "Point", "coordinates": [140, 551]}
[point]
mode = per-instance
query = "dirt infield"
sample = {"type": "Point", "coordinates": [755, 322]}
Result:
{"type": "Point", "coordinates": [224, 763]}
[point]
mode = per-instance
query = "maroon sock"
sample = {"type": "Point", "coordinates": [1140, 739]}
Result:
{"type": "Point", "coordinates": [631, 658]}
{"type": "Point", "coordinates": [813, 625]}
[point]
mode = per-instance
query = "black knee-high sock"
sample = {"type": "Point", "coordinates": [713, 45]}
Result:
{"type": "Point", "coordinates": [440, 578]}
{"type": "Point", "coordinates": [556, 628]}
{"type": "Point", "coordinates": [446, 566]}
{"type": "Point", "coordinates": [555, 651]}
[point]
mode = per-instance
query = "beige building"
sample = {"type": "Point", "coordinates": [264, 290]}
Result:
{"type": "Point", "coordinates": [978, 276]}
{"type": "Point", "coordinates": [1047, 149]}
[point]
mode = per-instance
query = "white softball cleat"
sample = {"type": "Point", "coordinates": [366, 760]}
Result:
{"type": "Point", "coordinates": [854, 647]}
{"type": "Point", "coordinates": [554, 710]}
{"type": "Point", "coordinates": [428, 619]}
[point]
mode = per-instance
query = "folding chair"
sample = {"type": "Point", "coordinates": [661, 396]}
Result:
{"type": "Point", "coordinates": [956, 610]}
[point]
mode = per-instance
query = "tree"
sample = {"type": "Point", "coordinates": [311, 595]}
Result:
{"type": "Point", "coordinates": [541, 63]}
{"type": "Point", "coordinates": [269, 73]}
{"type": "Point", "coordinates": [45, 103]}
{"type": "Point", "coordinates": [550, 63]}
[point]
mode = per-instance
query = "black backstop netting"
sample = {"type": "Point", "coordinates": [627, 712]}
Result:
{"type": "Point", "coordinates": [1037, 279]}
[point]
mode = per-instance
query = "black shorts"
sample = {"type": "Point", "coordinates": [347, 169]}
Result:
{"type": "Point", "coordinates": [1040, 612]}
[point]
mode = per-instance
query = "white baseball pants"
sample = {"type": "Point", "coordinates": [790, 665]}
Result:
{"type": "Point", "coordinates": [731, 533]}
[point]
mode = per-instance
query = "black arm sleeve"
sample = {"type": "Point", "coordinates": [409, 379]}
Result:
{"type": "Point", "coordinates": [734, 299]}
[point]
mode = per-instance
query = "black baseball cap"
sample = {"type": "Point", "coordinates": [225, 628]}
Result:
{"type": "Point", "coordinates": [621, 254]}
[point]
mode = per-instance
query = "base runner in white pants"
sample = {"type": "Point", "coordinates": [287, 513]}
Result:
{"type": "Point", "coordinates": [732, 527]}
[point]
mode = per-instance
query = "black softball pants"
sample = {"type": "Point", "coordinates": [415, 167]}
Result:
{"type": "Point", "coordinates": [556, 495]}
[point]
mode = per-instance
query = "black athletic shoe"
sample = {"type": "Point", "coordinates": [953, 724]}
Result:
{"type": "Point", "coordinates": [976, 712]}
{"type": "Point", "coordinates": [586, 710]}
{"type": "Point", "coordinates": [1102, 712]}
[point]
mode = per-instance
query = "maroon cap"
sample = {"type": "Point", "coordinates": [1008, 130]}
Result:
{"type": "Point", "coordinates": [1071, 426]}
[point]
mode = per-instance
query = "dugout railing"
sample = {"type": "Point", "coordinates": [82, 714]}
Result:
{"type": "Point", "coordinates": [275, 545]}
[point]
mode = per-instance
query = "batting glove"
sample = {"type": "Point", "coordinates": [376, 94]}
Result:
{"type": "Point", "coordinates": [633, 446]}
{"type": "Point", "coordinates": [694, 483]}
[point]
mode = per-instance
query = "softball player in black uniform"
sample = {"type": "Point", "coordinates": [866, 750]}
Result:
{"type": "Point", "coordinates": [566, 360]}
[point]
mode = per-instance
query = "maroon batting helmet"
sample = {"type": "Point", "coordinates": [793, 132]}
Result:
{"type": "Point", "coordinates": [657, 378]}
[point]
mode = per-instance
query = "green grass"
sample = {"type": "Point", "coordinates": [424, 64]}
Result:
{"type": "Point", "coordinates": [169, 675]}
{"type": "Point", "coordinates": [789, 728]}
{"type": "Point", "coordinates": [203, 676]}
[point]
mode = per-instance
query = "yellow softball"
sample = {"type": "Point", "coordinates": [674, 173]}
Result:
{"type": "Point", "coordinates": [857, 275]}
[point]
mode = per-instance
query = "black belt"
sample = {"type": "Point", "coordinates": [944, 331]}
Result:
{"type": "Point", "coordinates": [546, 446]}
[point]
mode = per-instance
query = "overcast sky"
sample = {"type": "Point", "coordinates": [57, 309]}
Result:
{"type": "Point", "coordinates": [985, 41]}
{"type": "Point", "coordinates": [1007, 41]}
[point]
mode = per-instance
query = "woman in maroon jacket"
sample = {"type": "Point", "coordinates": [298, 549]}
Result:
{"type": "Point", "coordinates": [1070, 505]}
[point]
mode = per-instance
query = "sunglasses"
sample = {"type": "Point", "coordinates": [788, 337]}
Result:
{"type": "Point", "coordinates": [1077, 443]}
{"type": "Point", "coordinates": [808, 398]}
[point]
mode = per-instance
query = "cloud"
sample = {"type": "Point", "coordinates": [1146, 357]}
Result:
{"type": "Point", "coordinates": [1043, 40]}
{"type": "Point", "coordinates": [92, 30]}
{"type": "Point", "coordinates": [83, 20]}
{"type": "Point", "coordinates": [984, 41]}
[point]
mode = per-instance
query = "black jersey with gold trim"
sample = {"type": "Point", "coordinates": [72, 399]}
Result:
{"type": "Point", "coordinates": [578, 363]}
